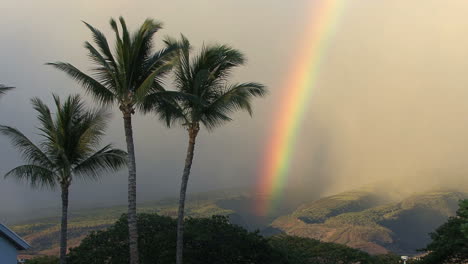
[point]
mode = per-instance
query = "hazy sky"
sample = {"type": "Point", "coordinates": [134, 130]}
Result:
{"type": "Point", "coordinates": [391, 102]}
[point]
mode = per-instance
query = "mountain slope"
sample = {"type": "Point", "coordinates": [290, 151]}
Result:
{"type": "Point", "coordinates": [360, 220]}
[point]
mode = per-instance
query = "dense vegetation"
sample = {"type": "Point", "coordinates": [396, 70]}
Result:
{"type": "Point", "coordinates": [208, 240]}
{"type": "Point", "coordinates": [44, 260]}
{"type": "Point", "coordinates": [450, 241]}
{"type": "Point", "coordinates": [306, 250]}
{"type": "Point", "coordinates": [211, 240]}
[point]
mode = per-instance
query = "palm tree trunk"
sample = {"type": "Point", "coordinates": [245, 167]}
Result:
{"type": "Point", "coordinates": [63, 227]}
{"type": "Point", "coordinates": [193, 132]}
{"type": "Point", "coordinates": [132, 217]}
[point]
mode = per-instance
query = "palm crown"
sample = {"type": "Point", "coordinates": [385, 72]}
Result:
{"type": "Point", "coordinates": [67, 147]}
{"type": "Point", "coordinates": [205, 95]}
{"type": "Point", "coordinates": [128, 75]}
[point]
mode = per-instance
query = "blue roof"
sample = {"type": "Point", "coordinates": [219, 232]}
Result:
{"type": "Point", "coordinates": [13, 237]}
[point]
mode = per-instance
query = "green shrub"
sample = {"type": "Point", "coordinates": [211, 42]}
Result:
{"type": "Point", "coordinates": [299, 250]}
{"type": "Point", "coordinates": [450, 241]}
{"type": "Point", "coordinates": [211, 240]}
{"type": "Point", "coordinates": [44, 260]}
{"type": "Point", "coordinates": [207, 240]}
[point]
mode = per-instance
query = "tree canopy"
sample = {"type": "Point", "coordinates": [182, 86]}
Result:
{"type": "Point", "coordinates": [68, 147]}
{"type": "Point", "coordinates": [450, 241]}
{"type": "Point", "coordinates": [212, 240]}
{"type": "Point", "coordinates": [208, 240]}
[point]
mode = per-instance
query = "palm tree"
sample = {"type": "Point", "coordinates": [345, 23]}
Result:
{"type": "Point", "coordinates": [126, 77]}
{"type": "Point", "coordinates": [67, 150]}
{"type": "Point", "coordinates": [4, 89]}
{"type": "Point", "coordinates": [208, 100]}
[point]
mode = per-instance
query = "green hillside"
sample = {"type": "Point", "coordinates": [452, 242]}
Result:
{"type": "Point", "coordinates": [360, 220]}
{"type": "Point", "coordinates": [320, 210]}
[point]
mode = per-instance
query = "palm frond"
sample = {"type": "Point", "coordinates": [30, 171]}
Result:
{"type": "Point", "coordinates": [47, 127]}
{"type": "Point", "coordinates": [219, 60]}
{"type": "Point", "coordinates": [101, 40]}
{"type": "Point", "coordinates": [29, 151]}
{"type": "Point", "coordinates": [205, 77]}
{"type": "Point", "coordinates": [104, 160]}
{"type": "Point", "coordinates": [237, 96]}
{"type": "Point", "coordinates": [4, 89]}
{"type": "Point", "coordinates": [213, 120]}
{"type": "Point", "coordinates": [141, 49]}
{"type": "Point", "coordinates": [181, 61]}
{"type": "Point", "coordinates": [36, 176]}
{"type": "Point", "coordinates": [166, 106]}
{"type": "Point", "coordinates": [91, 130]}
{"type": "Point", "coordinates": [101, 93]}
{"type": "Point", "coordinates": [104, 72]}
{"type": "Point", "coordinates": [161, 62]}
{"type": "Point", "coordinates": [147, 84]}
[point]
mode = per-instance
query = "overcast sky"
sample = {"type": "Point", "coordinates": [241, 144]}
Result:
{"type": "Point", "coordinates": [391, 101]}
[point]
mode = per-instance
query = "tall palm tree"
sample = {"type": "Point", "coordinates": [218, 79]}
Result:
{"type": "Point", "coordinates": [208, 100]}
{"type": "Point", "coordinates": [126, 77]}
{"type": "Point", "coordinates": [4, 89]}
{"type": "Point", "coordinates": [67, 150]}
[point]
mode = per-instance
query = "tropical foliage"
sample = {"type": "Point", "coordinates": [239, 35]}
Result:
{"type": "Point", "coordinates": [304, 250]}
{"type": "Point", "coordinates": [299, 250]}
{"type": "Point", "coordinates": [212, 240]}
{"type": "Point", "coordinates": [44, 260]}
{"type": "Point", "coordinates": [128, 77]}
{"type": "Point", "coordinates": [208, 240]}
{"type": "Point", "coordinates": [450, 241]}
{"type": "Point", "coordinates": [67, 150]}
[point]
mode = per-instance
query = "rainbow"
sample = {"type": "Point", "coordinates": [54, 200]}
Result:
{"type": "Point", "coordinates": [300, 83]}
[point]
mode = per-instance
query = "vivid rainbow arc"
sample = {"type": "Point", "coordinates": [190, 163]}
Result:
{"type": "Point", "coordinates": [297, 92]}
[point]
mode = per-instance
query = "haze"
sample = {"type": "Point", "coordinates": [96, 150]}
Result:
{"type": "Point", "coordinates": [390, 104]}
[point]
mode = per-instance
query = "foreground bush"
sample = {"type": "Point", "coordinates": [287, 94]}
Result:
{"type": "Point", "coordinates": [450, 241]}
{"type": "Point", "coordinates": [211, 240]}
{"type": "Point", "coordinates": [299, 250]}
{"type": "Point", "coordinates": [207, 240]}
{"type": "Point", "coordinates": [44, 260]}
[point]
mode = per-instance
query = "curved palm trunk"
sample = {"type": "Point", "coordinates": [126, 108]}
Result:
{"type": "Point", "coordinates": [63, 226]}
{"type": "Point", "coordinates": [193, 132]}
{"type": "Point", "coordinates": [132, 217]}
